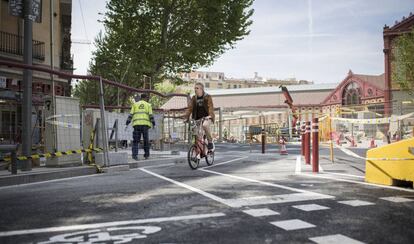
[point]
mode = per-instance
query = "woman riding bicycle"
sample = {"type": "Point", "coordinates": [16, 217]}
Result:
{"type": "Point", "coordinates": [201, 106]}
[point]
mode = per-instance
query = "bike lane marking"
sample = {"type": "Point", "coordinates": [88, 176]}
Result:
{"type": "Point", "coordinates": [299, 195]}
{"type": "Point", "coordinates": [108, 224]}
{"type": "Point", "coordinates": [191, 188]}
{"type": "Point", "coordinates": [230, 161]}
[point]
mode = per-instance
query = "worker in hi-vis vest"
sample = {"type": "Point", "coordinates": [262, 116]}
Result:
{"type": "Point", "coordinates": [142, 119]}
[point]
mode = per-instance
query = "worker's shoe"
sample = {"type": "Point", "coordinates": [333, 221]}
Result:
{"type": "Point", "coordinates": [210, 146]}
{"type": "Point", "coordinates": [135, 158]}
{"type": "Point", "coordinates": [146, 157]}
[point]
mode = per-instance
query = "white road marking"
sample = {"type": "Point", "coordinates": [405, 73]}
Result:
{"type": "Point", "coordinates": [349, 152]}
{"type": "Point", "coordinates": [233, 160]}
{"type": "Point", "coordinates": [260, 212]}
{"type": "Point", "coordinates": [108, 224]}
{"type": "Point", "coordinates": [206, 194]}
{"type": "Point", "coordinates": [342, 174]}
{"type": "Point", "coordinates": [298, 167]}
{"type": "Point", "coordinates": [357, 182]}
{"type": "Point", "coordinates": [49, 181]}
{"type": "Point", "coordinates": [123, 234]}
{"type": "Point", "coordinates": [310, 207]}
{"type": "Point", "coordinates": [293, 224]}
{"type": "Point", "coordinates": [356, 203]}
{"type": "Point", "coordinates": [320, 168]}
{"type": "Point", "coordinates": [303, 195]}
{"type": "Point", "coordinates": [262, 182]}
{"type": "Point", "coordinates": [334, 239]}
{"type": "Point", "coordinates": [276, 199]}
{"type": "Point", "coordinates": [397, 199]}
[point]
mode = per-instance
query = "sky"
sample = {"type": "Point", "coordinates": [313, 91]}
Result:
{"type": "Point", "coordinates": [315, 40]}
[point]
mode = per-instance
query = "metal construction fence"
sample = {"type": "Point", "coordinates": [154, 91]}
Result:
{"type": "Point", "coordinates": [368, 126]}
{"type": "Point", "coordinates": [56, 121]}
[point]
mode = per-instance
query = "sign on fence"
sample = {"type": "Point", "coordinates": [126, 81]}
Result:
{"type": "Point", "coordinates": [16, 8]}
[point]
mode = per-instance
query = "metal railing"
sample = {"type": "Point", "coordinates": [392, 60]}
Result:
{"type": "Point", "coordinates": [13, 44]}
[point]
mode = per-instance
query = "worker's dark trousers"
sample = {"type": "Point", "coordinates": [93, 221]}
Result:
{"type": "Point", "coordinates": [138, 130]}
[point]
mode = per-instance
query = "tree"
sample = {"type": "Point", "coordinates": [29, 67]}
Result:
{"type": "Point", "coordinates": [162, 38]}
{"type": "Point", "coordinates": [164, 87]}
{"type": "Point", "coordinates": [403, 65]}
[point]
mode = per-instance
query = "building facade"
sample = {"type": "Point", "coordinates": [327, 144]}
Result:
{"type": "Point", "coordinates": [217, 80]}
{"type": "Point", "coordinates": [51, 48]}
{"type": "Point", "coordinates": [393, 94]}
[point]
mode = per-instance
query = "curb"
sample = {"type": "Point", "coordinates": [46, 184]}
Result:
{"type": "Point", "coordinates": [151, 162]}
{"type": "Point", "coordinates": [26, 178]}
{"type": "Point", "coordinates": [115, 169]}
{"type": "Point", "coordinates": [45, 176]}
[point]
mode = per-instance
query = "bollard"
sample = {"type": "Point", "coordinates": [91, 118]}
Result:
{"type": "Point", "coordinates": [302, 132]}
{"type": "Point", "coordinates": [353, 144]}
{"type": "Point", "coordinates": [315, 145]}
{"type": "Point", "coordinates": [307, 142]}
{"type": "Point", "coordinates": [13, 163]}
{"type": "Point", "coordinates": [11, 149]}
{"type": "Point", "coordinates": [372, 144]}
{"type": "Point", "coordinates": [263, 141]}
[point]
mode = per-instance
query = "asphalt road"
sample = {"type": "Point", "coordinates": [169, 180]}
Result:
{"type": "Point", "coordinates": [246, 197]}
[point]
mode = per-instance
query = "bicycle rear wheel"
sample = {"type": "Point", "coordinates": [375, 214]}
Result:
{"type": "Point", "coordinates": [193, 161]}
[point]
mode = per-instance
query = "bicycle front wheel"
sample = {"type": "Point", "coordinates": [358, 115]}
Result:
{"type": "Point", "coordinates": [193, 161]}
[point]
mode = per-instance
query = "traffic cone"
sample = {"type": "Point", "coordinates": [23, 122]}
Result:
{"type": "Point", "coordinates": [283, 150]}
{"type": "Point", "coordinates": [353, 144]}
{"type": "Point", "coordinates": [397, 137]}
{"type": "Point", "coordinates": [372, 143]}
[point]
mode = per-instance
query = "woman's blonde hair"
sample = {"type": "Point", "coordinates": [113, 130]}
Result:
{"type": "Point", "coordinates": [200, 85]}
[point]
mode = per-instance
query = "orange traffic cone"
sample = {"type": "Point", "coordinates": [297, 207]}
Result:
{"type": "Point", "coordinates": [372, 143]}
{"type": "Point", "coordinates": [283, 150]}
{"type": "Point", "coordinates": [353, 144]}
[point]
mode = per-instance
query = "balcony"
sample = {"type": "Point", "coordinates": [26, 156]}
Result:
{"type": "Point", "coordinates": [13, 44]}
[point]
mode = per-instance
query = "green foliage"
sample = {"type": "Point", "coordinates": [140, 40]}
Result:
{"type": "Point", "coordinates": [159, 39]}
{"type": "Point", "coordinates": [403, 65]}
{"type": "Point", "coordinates": [165, 88]}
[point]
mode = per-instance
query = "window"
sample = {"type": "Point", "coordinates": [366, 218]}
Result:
{"type": "Point", "coordinates": [234, 86]}
{"type": "Point", "coordinates": [207, 85]}
{"type": "Point", "coordinates": [351, 94]}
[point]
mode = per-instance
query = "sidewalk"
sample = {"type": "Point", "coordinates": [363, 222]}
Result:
{"type": "Point", "coordinates": [337, 170]}
{"type": "Point", "coordinates": [39, 174]}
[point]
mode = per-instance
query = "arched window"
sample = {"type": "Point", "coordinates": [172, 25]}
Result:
{"type": "Point", "coordinates": [351, 94]}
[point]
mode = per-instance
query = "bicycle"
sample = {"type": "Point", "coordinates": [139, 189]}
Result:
{"type": "Point", "coordinates": [199, 148]}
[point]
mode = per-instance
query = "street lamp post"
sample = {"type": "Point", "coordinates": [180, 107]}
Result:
{"type": "Point", "coordinates": [27, 88]}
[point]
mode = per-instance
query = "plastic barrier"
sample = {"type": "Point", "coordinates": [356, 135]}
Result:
{"type": "Point", "coordinates": [390, 164]}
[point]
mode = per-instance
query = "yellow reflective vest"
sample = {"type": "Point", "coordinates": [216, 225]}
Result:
{"type": "Point", "coordinates": [141, 113]}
